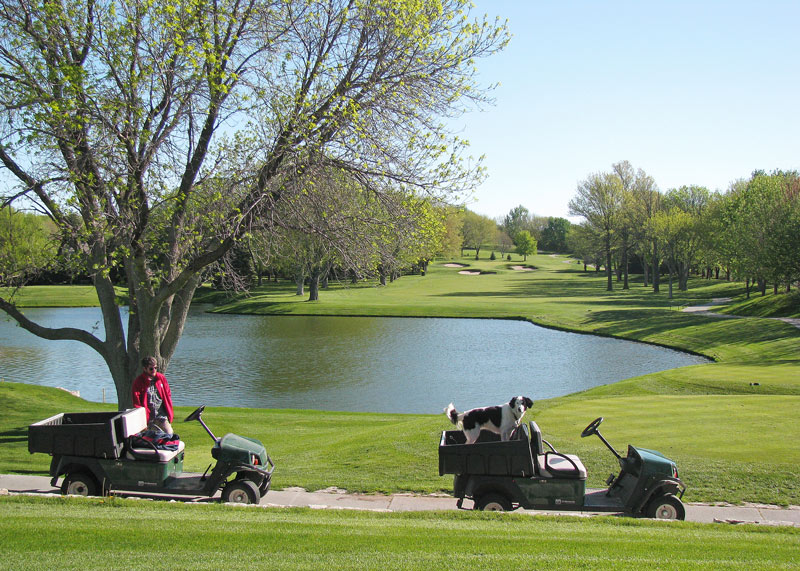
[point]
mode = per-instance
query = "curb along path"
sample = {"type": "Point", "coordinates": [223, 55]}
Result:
{"type": "Point", "coordinates": [338, 499]}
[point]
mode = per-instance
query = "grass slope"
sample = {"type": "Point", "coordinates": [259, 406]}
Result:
{"type": "Point", "coordinates": [113, 533]}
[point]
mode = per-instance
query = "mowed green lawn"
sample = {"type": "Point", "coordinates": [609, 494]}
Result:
{"type": "Point", "coordinates": [81, 533]}
{"type": "Point", "coordinates": [731, 424]}
{"type": "Point", "coordinates": [55, 296]}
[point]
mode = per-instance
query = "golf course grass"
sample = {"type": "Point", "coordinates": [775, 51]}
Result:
{"type": "Point", "coordinates": [730, 425]}
{"type": "Point", "coordinates": [114, 533]}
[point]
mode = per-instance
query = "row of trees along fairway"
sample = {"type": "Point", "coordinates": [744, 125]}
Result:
{"type": "Point", "coordinates": [519, 230]}
{"type": "Point", "coordinates": [750, 232]}
{"type": "Point", "coordinates": [156, 134]}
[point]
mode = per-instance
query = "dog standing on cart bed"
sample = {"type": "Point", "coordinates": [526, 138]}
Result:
{"type": "Point", "coordinates": [501, 419]}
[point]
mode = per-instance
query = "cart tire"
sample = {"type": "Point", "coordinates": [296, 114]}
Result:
{"type": "Point", "coordinates": [493, 503]}
{"type": "Point", "coordinates": [666, 506]}
{"type": "Point", "coordinates": [79, 484]}
{"type": "Point", "coordinates": [241, 492]}
{"type": "Point", "coordinates": [262, 485]}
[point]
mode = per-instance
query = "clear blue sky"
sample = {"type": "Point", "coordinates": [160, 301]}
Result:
{"type": "Point", "coordinates": [698, 92]}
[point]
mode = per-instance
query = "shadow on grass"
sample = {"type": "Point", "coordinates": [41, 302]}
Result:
{"type": "Point", "coordinates": [14, 435]}
{"type": "Point", "coordinates": [704, 334]}
{"type": "Point", "coordinates": [593, 293]}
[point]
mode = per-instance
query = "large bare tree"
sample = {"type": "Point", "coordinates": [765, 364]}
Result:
{"type": "Point", "coordinates": [155, 133]}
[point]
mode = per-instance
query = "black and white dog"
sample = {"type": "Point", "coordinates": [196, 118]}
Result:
{"type": "Point", "coordinates": [501, 419]}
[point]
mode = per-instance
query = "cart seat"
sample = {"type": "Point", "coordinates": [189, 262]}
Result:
{"type": "Point", "coordinates": [537, 448]}
{"type": "Point", "coordinates": [557, 465]}
{"type": "Point", "coordinates": [134, 421]}
{"type": "Point", "coordinates": [154, 455]}
{"type": "Point", "coordinates": [554, 464]}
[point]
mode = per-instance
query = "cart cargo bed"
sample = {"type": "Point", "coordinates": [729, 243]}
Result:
{"type": "Point", "coordinates": [488, 456]}
{"type": "Point", "coordinates": [92, 434]}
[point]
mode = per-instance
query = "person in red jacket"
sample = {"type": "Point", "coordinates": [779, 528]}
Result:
{"type": "Point", "coordinates": [151, 391]}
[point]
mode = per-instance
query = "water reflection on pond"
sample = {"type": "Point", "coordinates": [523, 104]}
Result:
{"type": "Point", "coordinates": [344, 363]}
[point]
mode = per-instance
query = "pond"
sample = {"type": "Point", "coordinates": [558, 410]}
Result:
{"type": "Point", "coordinates": [405, 365]}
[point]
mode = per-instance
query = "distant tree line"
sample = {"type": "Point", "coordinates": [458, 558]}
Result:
{"type": "Point", "coordinates": [749, 233]}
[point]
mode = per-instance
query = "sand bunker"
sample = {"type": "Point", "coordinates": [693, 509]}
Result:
{"type": "Point", "coordinates": [455, 265]}
{"type": "Point", "coordinates": [523, 268]}
{"type": "Point", "coordinates": [469, 273]}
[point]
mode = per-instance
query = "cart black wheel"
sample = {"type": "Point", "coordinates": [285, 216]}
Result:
{"type": "Point", "coordinates": [592, 428]}
{"type": "Point", "coordinates": [493, 503]}
{"type": "Point", "coordinates": [195, 414]}
{"type": "Point", "coordinates": [262, 485]}
{"type": "Point", "coordinates": [666, 506]}
{"type": "Point", "coordinates": [79, 484]}
{"type": "Point", "coordinates": [241, 492]}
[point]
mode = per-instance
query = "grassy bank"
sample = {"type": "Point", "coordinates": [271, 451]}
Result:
{"type": "Point", "coordinates": [100, 534]}
{"type": "Point", "coordinates": [56, 296]}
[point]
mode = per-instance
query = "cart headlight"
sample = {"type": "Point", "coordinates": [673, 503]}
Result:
{"type": "Point", "coordinates": [254, 460]}
{"type": "Point", "coordinates": [674, 471]}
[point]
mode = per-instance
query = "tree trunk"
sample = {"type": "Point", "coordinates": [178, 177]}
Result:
{"type": "Point", "coordinates": [313, 286]}
{"type": "Point", "coordinates": [625, 265]}
{"type": "Point", "coordinates": [610, 286]}
{"type": "Point", "coordinates": [656, 269]}
{"type": "Point", "coordinates": [645, 268]}
{"type": "Point", "coordinates": [670, 285]}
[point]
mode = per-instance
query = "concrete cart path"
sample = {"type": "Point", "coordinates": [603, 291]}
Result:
{"type": "Point", "coordinates": [703, 309]}
{"type": "Point", "coordinates": [336, 499]}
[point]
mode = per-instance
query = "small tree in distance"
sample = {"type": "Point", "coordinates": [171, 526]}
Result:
{"type": "Point", "coordinates": [526, 244]}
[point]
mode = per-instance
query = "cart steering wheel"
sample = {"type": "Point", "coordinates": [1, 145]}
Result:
{"type": "Point", "coordinates": [592, 428]}
{"type": "Point", "coordinates": [196, 414]}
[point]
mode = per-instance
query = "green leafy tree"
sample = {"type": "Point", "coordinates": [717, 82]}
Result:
{"type": "Point", "coordinates": [643, 202]}
{"type": "Point", "coordinates": [452, 239]}
{"type": "Point", "coordinates": [681, 226]}
{"type": "Point", "coordinates": [517, 220]}
{"type": "Point", "coordinates": [27, 245]}
{"type": "Point", "coordinates": [526, 244]}
{"type": "Point", "coordinates": [477, 230]}
{"type": "Point", "coordinates": [155, 134]}
{"type": "Point", "coordinates": [555, 234]}
{"type": "Point", "coordinates": [759, 228]}
{"type": "Point", "coordinates": [599, 200]}
{"type": "Point", "coordinates": [586, 243]}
